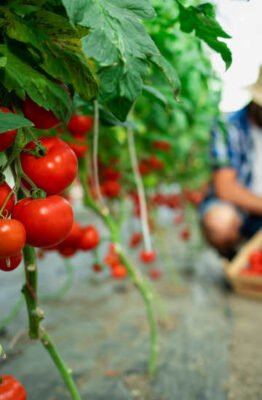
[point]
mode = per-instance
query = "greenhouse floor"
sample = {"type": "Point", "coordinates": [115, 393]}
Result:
{"type": "Point", "coordinates": [210, 342]}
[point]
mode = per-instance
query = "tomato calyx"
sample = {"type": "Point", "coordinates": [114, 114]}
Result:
{"type": "Point", "coordinates": [38, 194]}
{"type": "Point", "coordinates": [39, 150]}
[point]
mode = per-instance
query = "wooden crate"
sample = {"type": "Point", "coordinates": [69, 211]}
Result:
{"type": "Point", "coordinates": [245, 285]}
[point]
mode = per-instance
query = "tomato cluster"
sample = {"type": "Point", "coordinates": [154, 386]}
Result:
{"type": "Point", "coordinates": [118, 270]}
{"type": "Point", "coordinates": [254, 264]}
{"type": "Point", "coordinates": [80, 238]}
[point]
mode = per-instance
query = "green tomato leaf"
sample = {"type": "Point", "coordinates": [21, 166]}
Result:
{"type": "Point", "coordinates": [21, 78]}
{"type": "Point", "coordinates": [9, 121]}
{"type": "Point", "coordinates": [201, 20]}
{"type": "Point", "coordinates": [55, 46]}
{"type": "Point", "coordinates": [120, 44]}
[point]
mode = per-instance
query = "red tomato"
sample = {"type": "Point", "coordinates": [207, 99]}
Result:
{"type": "Point", "coordinates": [54, 171]}
{"type": "Point", "coordinates": [111, 259]}
{"type": "Point", "coordinates": [42, 118]}
{"type": "Point", "coordinates": [111, 188]}
{"type": "Point", "coordinates": [79, 149]}
{"type": "Point", "coordinates": [147, 256]}
{"type": "Point", "coordinates": [255, 259]}
{"type": "Point", "coordinates": [12, 263]}
{"type": "Point", "coordinates": [47, 221]}
{"type": "Point", "coordinates": [12, 237]}
{"type": "Point", "coordinates": [97, 268]}
{"type": "Point", "coordinates": [185, 234]}
{"type": "Point", "coordinates": [4, 192]}
{"type": "Point", "coordinates": [6, 138]}
{"type": "Point", "coordinates": [161, 145]}
{"type": "Point", "coordinates": [135, 239]}
{"type": "Point", "coordinates": [119, 271]}
{"type": "Point", "coordinates": [67, 251]}
{"type": "Point", "coordinates": [155, 274]}
{"type": "Point", "coordinates": [111, 174]}
{"type": "Point", "coordinates": [155, 163]}
{"type": "Point", "coordinates": [73, 237]}
{"type": "Point", "coordinates": [79, 125]}
{"type": "Point", "coordinates": [89, 238]}
{"type": "Point", "coordinates": [144, 168]}
{"type": "Point", "coordinates": [11, 389]}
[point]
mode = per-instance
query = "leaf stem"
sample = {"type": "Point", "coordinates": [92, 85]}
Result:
{"type": "Point", "coordinates": [140, 189]}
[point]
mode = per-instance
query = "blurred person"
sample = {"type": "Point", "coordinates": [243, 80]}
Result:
{"type": "Point", "coordinates": [232, 210]}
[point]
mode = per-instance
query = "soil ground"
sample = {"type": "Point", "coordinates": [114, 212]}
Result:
{"type": "Point", "coordinates": [210, 341]}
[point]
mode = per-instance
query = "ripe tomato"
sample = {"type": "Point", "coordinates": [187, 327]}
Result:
{"type": "Point", "coordinates": [12, 237]}
{"type": "Point", "coordinates": [4, 192]}
{"type": "Point", "coordinates": [155, 163]}
{"type": "Point", "coordinates": [89, 238]}
{"type": "Point", "coordinates": [119, 271]}
{"type": "Point", "coordinates": [11, 264]}
{"type": "Point", "coordinates": [6, 138]}
{"type": "Point", "coordinates": [97, 268]}
{"type": "Point", "coordinates": [79, 149]}
{"type": "Point", "coordinates": [255, 259]}
{"type": "Point", "coordinates": [111, 188]}
{"type": "Point", "coordinates": [73, 237]}
{"type": "Point", "coordinates": [110, 173]}
{"type": "Point", "coordinates": [155, 274]}
{"type": "Point", "coordinates": [147, 256]}
{"type": "Point", "coordinates": [135, 239]}
{"type": "Point", "coordinates": [42, 118]}
{"type": "Point", "coordinates": [47, 221]}
{"type": "Point", "coordinates": [144, 168]}
{"type": "Point", "coordinates": [79, 125]}
{"type": "Point", "coordinates": [67, 251]}
{"type": "Point", "coordinates": [161, 145]}
{"type": "Point", "coordinates": [54, 171]}
{"type": "Point", "coordinates": [185, 234]}
{"type": "Point", "coordinates": [111, 259]}
{"type": "Point", "coordinates": [11, 389]}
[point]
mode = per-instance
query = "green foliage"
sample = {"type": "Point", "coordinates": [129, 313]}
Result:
{"type": "Point", "coordinates": [9, 121]}
{"type": "Point", "coordinates": [40, 47]}
{"type": "Point", "coordinates": [121, 46]}
{"type": "Point", "coordinates": [201, 20]}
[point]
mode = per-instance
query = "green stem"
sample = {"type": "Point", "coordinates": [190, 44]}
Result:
{"type": "Point", "coordinates": [35, 315]}
{"type": "Point", "coordinates": [65, 373]}
{"type": "Point", "coordinates": [134, 273]}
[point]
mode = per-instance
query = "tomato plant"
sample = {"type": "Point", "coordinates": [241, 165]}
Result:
{"type": "Point", "coordinates": [60, 75]}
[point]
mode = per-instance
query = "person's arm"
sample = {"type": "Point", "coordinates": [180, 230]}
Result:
{"type": "Point", "coordinates": [228, 188]}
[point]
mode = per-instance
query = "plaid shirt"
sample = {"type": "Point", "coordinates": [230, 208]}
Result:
{"type": "Point", "coordinates": [234, 147]}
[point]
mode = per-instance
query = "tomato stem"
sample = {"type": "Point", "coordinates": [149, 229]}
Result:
{"type": "Point", "coordinates": [140, 190]}
{"type": "Point", "coordinates": [65, 372]}
{"type": "Point", "coordinates": [134, 272]}
{"type": "Point", "coordinates": [35, 315]}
